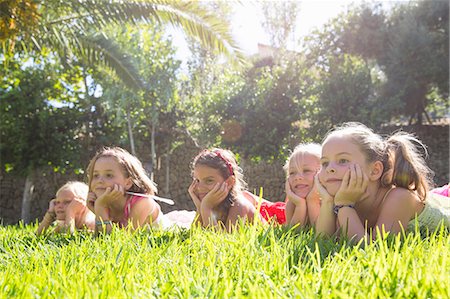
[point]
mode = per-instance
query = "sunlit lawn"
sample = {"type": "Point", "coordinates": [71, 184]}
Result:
{"type": "Point", "coordinates": [254, 262]}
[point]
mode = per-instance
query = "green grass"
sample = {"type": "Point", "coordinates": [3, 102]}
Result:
{"type": "Point", "coordinates": [254, 262]}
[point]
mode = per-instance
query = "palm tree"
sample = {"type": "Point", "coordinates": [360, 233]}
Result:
{"type": "Point", "coordinates": [73, 30]}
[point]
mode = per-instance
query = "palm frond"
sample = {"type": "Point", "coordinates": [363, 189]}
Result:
{"type": "Point", "coordinates": [195, 21]}
{"type": "Point", "coordinates": [98, 49]}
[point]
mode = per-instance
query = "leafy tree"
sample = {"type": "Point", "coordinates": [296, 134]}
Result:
{"type": "Point", "coordinates": [34, 132]}
{"type": "Point", "coordinates": [345, 92]}
{"type": "Point", "coordinates": [279, 21]}
{"type": "Point", "coordinates": [410, 46]}
{"type": "Point", "coordinates": [148, 113]}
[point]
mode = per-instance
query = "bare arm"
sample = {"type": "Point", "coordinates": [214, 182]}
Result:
{"type": "Point", "coordinates": [48, 219]}
{"type": "Point", "coordinates": [326, 220]}
{"type": "Point", "coordinates": [313, 205]}
{"type": "Point", "coordinates": [102, 219]}
{"type": "Point", "coordinates": [145, 211]}
{"type": "Point", "coordinates": [295, 208]}
{"type": "Point", "coordinates": [212, 200]}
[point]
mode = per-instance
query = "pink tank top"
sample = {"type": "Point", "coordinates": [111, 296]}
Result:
{"type": "Point", "coordinates": [127, 209]}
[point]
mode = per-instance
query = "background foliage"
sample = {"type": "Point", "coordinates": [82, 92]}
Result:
{"type": "Point", "coordinates": [58, 106]}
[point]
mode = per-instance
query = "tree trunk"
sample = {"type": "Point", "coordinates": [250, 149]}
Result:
{"type": "Point", "coordinates": [152, 140]}
{"type": "Point", "coordinates": [27, 198]}
{"type": "Point", "coordinates": [419, 118]}
{"type": "Point", "coordinates": [130, 132]}
{"type": "Point", "coordinates": [166, 189]}
{"type": "Point", "coordinates": [427, 117]}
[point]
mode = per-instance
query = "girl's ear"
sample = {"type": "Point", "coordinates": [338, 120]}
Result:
{"type": "Point", "coordinates": [231, 180]}
{"type": "Point", "coordinates": [376, 171]}
{"type": "Point", "coordinates": [128, 184]}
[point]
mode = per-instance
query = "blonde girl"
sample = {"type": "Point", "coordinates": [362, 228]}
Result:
{"type": "Point", "coordinates": [68, 210]}
{"type": "Point", "coordinates": [302, 200]}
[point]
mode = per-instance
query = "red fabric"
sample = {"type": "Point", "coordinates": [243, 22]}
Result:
{"type": "Point", "coordinates": [275, 210]}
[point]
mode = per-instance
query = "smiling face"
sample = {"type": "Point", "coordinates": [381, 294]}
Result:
{"type": "Point", "coordinates": [62, 201]}
{"type": "Point", "coordinates": [338, 153]}
{"type": "Point", "coordinates": [206, 178]}
{"type": "Point", "coordinates": [107, 173]}
{"type": "Point", "coordinates": [302, 169]}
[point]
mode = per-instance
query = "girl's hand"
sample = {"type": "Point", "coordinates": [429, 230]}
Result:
{"type": "Point", "coordinates": [323, 193]}
{"type": "Point", "coordinates": [75, 208]}
{"type": "Point", "coordinates": [111, 195]}
{"type": "Point", "coordinates": [216, 195]}
{"type": "Point", "coordinates": [353, 187]}
{"type": "Point", "coordinates": [51, 207]}
{"type": "Point", "coordinates": [313, 195]}
{"type": "Point", "coordinates": [292, 197]}
{"type": "Point", "coordinates": [193, 195]}
{"type": "Point", "coordinates": [91, 201]}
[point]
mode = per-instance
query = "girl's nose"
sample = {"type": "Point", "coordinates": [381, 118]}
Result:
{"type": "Point", "coordinates": [298, 175]}
{"type": "Point", "coordinates": [331, 169]}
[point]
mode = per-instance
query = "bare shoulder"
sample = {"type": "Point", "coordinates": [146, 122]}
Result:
{"type": "Point", "coordinates": [143, 205]}
{"type": "Point", "coordinates": [404, 199]}
{"type": "Point", "coordinates": [242, 207]}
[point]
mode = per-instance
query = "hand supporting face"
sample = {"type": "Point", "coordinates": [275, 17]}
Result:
{"type": "Point", "coordinates": [313, 195]}
{"type": "Point", "coordinates": [292, 197]}
{"type": "Point", "coordinates": [51, 208]}
{"type": "Point", "coordinates": [216, 195]}
{"type": "Point", "coordinates": [323, 193]}
{"type": "Point", "coordinates": [91, 201]}
{"type": "Point", "coordinates": [353, 187]}
{"type": "Point", "coordinates": [110, 196]}
{"type": "Point", "coordinates": [193, 195]}
{"type": "Point", "coordinates": [75, 208]}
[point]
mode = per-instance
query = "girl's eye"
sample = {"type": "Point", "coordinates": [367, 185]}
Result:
{"type": "Point", "coordinates": [324, 164]}
{"type": "Point", "coordinates": [110, 175]}
{"type": "Point", "coordinates": [307, 171]}
{"type": "Point", "coordinates": [343, 161]}
{"type": "Point", "coordinates": [96, 176]}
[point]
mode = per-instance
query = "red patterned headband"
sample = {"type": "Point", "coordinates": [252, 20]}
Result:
{"type": "Point", "coordinates": [230, 168]}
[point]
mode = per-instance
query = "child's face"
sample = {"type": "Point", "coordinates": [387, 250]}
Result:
{"type": "Point", "coordinates": [302, 169]}
{"type": "Point", "coordinates": [107, 173]}
{"type": "Point", "coordinates": [338, 153]}
{"type": "Point", "coordinates": [206, 178]}
{"type": "Point", "coordinates": [62, 201]}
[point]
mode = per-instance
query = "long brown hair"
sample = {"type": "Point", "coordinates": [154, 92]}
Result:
{"type": "Point", "coordinates": [225, 162]}
{"type": "Point", "coordinates": [132, 168]}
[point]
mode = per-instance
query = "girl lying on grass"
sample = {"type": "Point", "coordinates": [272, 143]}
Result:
{"type": "Point", "coordinates": [302, 202]}
{"type": "Point", "coordinates": [121, 192]}
{"type": "Point", "coordinates": [217, 190]}
{"type": "Point", "coordinates": [368, 183]}
{"type": "Point", "coordinates": [68, 210]}
{"type": "Point", "coordinates": [302, 199]}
